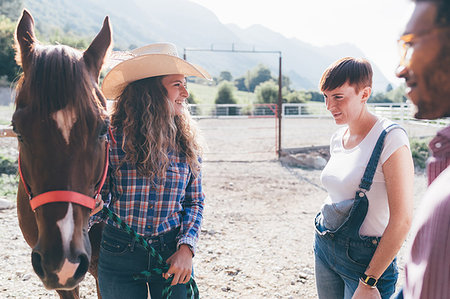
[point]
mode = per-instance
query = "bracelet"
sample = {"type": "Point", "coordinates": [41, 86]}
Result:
{"type": "Point", "coordinates": [366, 284]}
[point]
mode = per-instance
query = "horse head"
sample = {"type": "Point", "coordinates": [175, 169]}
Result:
{"type": "Point", "coordinates": [61, 124]}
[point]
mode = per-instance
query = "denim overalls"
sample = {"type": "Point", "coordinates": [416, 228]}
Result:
{"type": "Point", "coordinates": [342, 255]}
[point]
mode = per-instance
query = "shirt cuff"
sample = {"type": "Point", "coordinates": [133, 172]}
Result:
{"type": "Point", "coordinates": [189, 241]}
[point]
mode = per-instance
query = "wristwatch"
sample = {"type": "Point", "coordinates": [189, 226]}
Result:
{"type": "Point", "coordinates": [368, 280]}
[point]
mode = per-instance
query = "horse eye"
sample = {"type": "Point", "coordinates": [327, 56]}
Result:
{"type": "Point", "coordinates": [19, 137]}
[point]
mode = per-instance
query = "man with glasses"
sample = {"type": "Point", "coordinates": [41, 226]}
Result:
{"type": "Point", "coordinates": [425, 66]}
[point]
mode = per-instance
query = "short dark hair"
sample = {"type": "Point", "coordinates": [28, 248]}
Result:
{"type": "Point", "coordinates": [356, 71]}
{"type": "Point", "coordinates": [443, 11]}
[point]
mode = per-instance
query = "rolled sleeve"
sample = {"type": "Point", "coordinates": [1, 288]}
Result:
{"type": "Point", "coordinates": [193, 213]}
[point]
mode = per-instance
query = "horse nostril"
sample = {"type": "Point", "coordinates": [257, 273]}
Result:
{"type": "Point", "coordinates": [36, 261]}
{"type": "Point", "coordinates": [83, 267]}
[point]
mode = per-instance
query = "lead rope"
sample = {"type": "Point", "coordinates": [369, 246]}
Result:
{"type": "Point", "coordinates": [161, 266]}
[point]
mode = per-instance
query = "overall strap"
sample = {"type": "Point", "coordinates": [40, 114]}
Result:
{"type": "Point", "coordinates": [366, 181]}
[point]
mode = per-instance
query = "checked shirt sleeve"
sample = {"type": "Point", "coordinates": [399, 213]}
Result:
{"type": "Point", "coordinates": [106, 196]}
{"type": "Point", "coordinates": [193, 212]}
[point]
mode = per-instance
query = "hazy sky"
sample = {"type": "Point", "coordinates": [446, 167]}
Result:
{"type": "Point", "coordinates": [372, 25]}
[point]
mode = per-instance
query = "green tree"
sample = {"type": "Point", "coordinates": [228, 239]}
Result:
{"type": "Point", "coordinates": [191, 98]}
{"type": "Point", "coordinates": [225, 93]}
{"type": "Point", "coordinates": [8, 66]}
{"type": "Point", "coordinates": [286, 82]}
{"type": "Point", "coordinates": [420, 152]}
{"type": "Point", "coordinates": [298, 97]}
{"type": "Point", "coordinates": [267, 92]}
{"type": "Point", "coordinates": [257, 76]}
{"type": "Point", "coordinates": [379, 97]}
{"type": "Point", "coordinates": [397, 95]}
{"type": "Point", "coordinates": [68, 38]}
{"type": "Point", "coordinates": [240, 84]}
{"type": "Point", "coordinates": [316, 96]}
{"type": "Point", "coordinates": [225, 76]}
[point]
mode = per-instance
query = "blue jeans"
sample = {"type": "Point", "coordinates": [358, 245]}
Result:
{"type": "Point", "coordinates": [121, 258]}
{"type": "Point", "coordinates": [339, 262]}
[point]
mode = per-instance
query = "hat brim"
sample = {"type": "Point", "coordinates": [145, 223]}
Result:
{"type": "Point", "coordinates": [146, 66]}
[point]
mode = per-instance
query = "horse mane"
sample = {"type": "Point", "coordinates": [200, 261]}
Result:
{"type": "Point", "coordinates": [58, 78]}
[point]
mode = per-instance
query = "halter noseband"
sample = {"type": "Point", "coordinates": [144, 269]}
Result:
{"type": "Point", "coordinates": [66, 195]}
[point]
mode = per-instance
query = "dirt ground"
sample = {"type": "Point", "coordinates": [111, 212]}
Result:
{"type": "Point", "coordinates": [257, 233]}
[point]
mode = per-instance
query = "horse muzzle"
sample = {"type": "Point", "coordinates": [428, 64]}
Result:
{"type": "Point", "coordinates": [62, 254]}
{"type": "Point", "coordinates": [66, 276]}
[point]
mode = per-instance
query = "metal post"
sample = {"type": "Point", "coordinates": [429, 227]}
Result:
{"type": "Point", "coordinates": [280, 107]}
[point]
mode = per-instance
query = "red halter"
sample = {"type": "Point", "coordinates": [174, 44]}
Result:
{"type": "Point", "coordinates": [66, 195]}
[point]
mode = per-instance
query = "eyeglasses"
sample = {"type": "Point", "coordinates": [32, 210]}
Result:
{"type": "Point", "coordinates": [405, 43]}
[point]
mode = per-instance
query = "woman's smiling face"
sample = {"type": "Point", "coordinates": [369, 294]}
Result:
{"type": "Point", "coordinates": [344, 103]}
{"type": "Point", "coordinates": [177, 93]}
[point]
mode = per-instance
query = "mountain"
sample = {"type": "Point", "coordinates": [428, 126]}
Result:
{"type": "Point", "coordinates": [190, 25]}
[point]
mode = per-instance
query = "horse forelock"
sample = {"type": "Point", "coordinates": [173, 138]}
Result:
{"type": "Point", "coordinates": [58, 80]}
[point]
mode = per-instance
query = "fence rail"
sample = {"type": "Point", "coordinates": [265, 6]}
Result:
{"type": "Point", "coordinates": [395, 111]}
{"type": "Point", "coordinates": [7, 132]}
{"type": "Point", "coordinates": [233, 110]}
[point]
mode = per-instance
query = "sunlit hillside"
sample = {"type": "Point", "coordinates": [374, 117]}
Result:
{"type": "Point", "coordinates": [139, 22]}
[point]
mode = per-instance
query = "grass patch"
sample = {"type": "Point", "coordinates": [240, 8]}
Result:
{"type": "Point", "coordinates": [9, 179]}
{"type": "Point", "coordinates": [7, 165]}
{"type": "Point", "coordinates": [205, 94]}
{"type": "Point", "coordinates": [9, 184]}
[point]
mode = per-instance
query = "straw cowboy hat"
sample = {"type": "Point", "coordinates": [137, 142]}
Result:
{"type": "Point", "coordinates": [148, 61]}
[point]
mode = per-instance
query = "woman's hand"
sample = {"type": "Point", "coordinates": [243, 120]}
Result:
{"type": "Point", "coordinates": [180, 265]}
{"type": "Point", "coordinates": [366, 292]}
{"type": "Point", "coordinates": [98, 205]}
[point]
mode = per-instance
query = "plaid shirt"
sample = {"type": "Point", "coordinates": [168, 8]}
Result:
{"type": "Point", "coordinates": [155, 207]}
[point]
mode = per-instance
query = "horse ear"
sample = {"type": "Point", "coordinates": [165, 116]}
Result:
{"type": "Point", "coordinates": [25, 39]}
{"type": "Point", "coordinates": [95, 54]}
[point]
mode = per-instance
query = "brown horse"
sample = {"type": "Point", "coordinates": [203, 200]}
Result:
{"type": "Point", "coordinates": [61, 124]}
